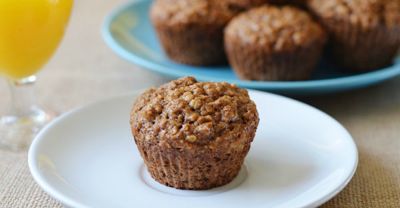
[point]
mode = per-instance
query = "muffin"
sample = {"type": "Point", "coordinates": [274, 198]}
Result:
{"type": "Point", "coordinates": [194, 135]}
{"type": "Point", "coordinates": [191, 31]}
{"type": "Point", "coordinates": [364, 34]}
{"type": "Point", "coordinates": [274, 43]}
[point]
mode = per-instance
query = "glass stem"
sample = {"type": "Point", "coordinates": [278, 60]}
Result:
{"type": "Point", "coordinates": [23, 102]}
{"type": "Point", "coordinates": [25, 119]}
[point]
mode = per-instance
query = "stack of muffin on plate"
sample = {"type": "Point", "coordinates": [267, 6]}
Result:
{"type": "Point", "coordinates": [279, 39]}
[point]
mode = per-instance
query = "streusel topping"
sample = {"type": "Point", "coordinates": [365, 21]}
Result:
{"type": "Point", "coordinates": [275, 28]}
{"type": "Point", "coordinates": [366, 13]}
{"type": "Point", "coordinates": [187, 111]}
{"type": "Point", "coordinates": [193, 11]}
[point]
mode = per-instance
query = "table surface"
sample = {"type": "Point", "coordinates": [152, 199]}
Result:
{"type": "Point", "coordinates": [84, 70]}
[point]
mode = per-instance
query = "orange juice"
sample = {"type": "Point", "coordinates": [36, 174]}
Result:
{"type": "Point", "coordinates": [30, 31]}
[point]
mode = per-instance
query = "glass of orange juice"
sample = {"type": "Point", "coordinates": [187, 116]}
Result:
{"type": "Point", "coordinates": [30, 32]}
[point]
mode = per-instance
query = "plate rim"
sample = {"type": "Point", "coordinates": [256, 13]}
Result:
{"type": "Point", "coordinates": [65, 200]}
{"type": "Point", "coordinates": [339, 84]}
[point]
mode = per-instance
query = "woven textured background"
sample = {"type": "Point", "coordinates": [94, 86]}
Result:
{"type": "Point", "coordinates": [85, 70]}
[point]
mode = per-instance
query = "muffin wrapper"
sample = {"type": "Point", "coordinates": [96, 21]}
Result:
{"type": "Point", "coordinates": [192, 169]}
{"type": "Point", "coordinates": [252, 62]}
{"type": "Point", "coordinates": [358, 49]}
{"type": "Point", "coordinates": [192, 44]}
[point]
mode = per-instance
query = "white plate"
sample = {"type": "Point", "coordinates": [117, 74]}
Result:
{"type": "Point", "coordinates": [300, 157]}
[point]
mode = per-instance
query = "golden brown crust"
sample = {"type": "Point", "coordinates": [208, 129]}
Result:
{"type": "Point", "coordinates": [275, 28]}
{"type": "Point", "coordinates": [185, 128]}
{"type": "Point", "coordinates": [177, 12]}
{"type": "Point", "coordinates": [364, 13]}
{"type": "Point", "coordinates": [274, 43]}
{"type": "Point", "coordinates": [364, 34]}
{"type": "Point", "coordinates": [186, 112]}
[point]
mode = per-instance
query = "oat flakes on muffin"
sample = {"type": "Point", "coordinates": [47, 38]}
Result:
{"type": "Point", "coordinates": [274, 43]}
{"type": "Point", "coordinates": [364, 34]}
{"type": "Point", "coordinates": [194, 135]}
{"type": "Point", "coordinates": [191, 31]}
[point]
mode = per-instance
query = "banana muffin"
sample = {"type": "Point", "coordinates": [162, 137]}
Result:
{"type": "Point", "coordinates": [274, 43]}
{"type": "Point", "coordinates": [194, 135]}
{"type": "Point", "coordinates": [191, 31]}
{"type": "Point", "coordinates": [364, 34]}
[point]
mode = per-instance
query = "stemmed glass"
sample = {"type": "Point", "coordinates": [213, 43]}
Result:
{"type": "Point", "coordinates": [30, 32]}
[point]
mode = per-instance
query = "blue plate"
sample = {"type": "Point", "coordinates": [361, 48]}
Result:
{"type": "Point", "coordinates": [128, 31]}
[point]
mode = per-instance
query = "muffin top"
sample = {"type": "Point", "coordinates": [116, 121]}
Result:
{"type": "Point", "coordinates": [366, 13]}
{"type": "Point", "coordinates": [219, 12]}
{"type": "Point", "coordinates": [275, 28]}
{"type": "Point", "coordinates": [185, 111]}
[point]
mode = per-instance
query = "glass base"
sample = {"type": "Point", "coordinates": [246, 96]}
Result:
{"type": "Point", "coordinates": [17, 132]}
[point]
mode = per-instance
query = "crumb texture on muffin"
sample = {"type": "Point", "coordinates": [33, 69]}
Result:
{"type": "Point", "coordinates": [194, 135]}
{"type": "Point", "coordinates": [187, 111]}
{"type": "Point", "coordinates": [192, 11]}
{"type": "Point", "coordinates": [366, 13]}
{"type": "Point", "coordinates": [364, 34]}
{"type": "Point", "coordinates": [274, 43]}
{"type": "Point", "coordinates": [275, 28]}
